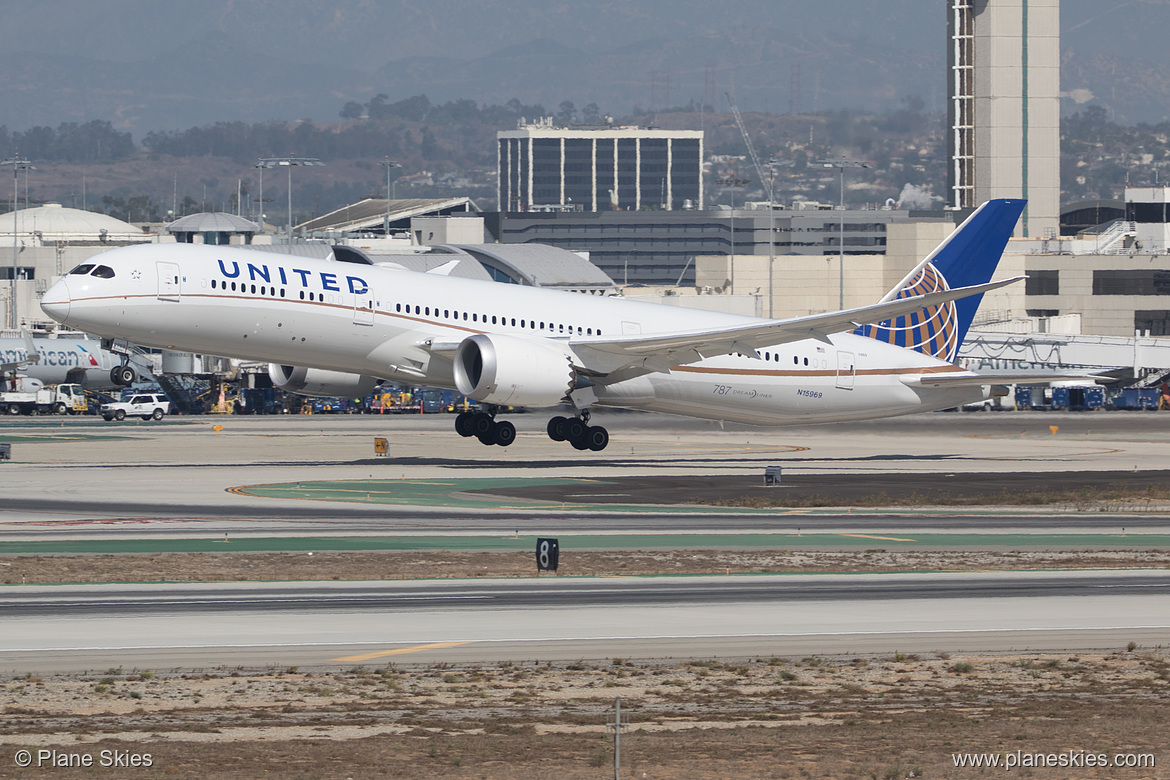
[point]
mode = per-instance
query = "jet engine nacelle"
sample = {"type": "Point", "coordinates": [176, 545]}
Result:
{"type": "Point", "coordinates": [316, 381]}
{"type": "Point", "coordinates": [515, 371]}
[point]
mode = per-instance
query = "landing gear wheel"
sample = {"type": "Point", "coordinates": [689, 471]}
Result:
{"type": "Point", "coordinates": [596, 438]}
{"type": "Point", "coordinates": [481, 425]}
{"type": "Point", "coordinates": [157, 415]}
{"type": "Point", "coordinates": [579, 444]}
{"type": "Point", "coordinates": [120, 415]}
{"type": "Point", "coordinates": [123, 376]}
{"type": "Point", "coordinates": [504, 433]}
{"type": "Point", "coordinates": [576, 430]}
{"type": "Point", "coordinates": [558, 428]}
{"type": "Point", "coordinates": [463, 424]}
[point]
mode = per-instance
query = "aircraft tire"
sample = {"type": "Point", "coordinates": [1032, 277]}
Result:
{"type": "Point", "coordinates": [504, 433]}
{"type": "Point", "coordinates": [463, 424]}
{"type": "Point", "coordinates": [596, 437]}
{"type": "Point", "coordinates": [558, 428]}
{"type": "Point", "coordinates": [120, 415]}
{"type": "Point", "coordinates": [575, 431]}
{"type": "Point", "coordinates": [579, 444]}
{"type": "Point", "coordinates": [481, 425]}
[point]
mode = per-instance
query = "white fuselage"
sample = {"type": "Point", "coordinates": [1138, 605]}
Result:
{"type": "Point", "coordinates": [389, 323]}
{"type": "Point", "coordinates": [63, 360]}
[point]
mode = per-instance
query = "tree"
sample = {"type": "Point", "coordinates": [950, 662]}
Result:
{"type": "Point", "coordinates": [566, 113]}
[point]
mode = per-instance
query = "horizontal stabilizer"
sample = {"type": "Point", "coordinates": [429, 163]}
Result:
{"type": "Point", "coordinates": [968, 379]}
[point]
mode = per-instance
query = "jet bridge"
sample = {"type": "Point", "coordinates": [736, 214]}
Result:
{"type": "Point", "coordinates": [1141, 358]}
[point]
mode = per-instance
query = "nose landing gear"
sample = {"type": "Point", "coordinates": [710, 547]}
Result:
{"type": "Point", "coordinates": [484, 426]}
{"type": "Point", "coordinates": [578, 432]}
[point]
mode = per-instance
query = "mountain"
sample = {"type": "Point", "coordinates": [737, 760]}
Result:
{"type": "Point", "coordinates": [147, 66]}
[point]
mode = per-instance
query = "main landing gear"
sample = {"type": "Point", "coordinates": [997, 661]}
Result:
{"type": "Point", "coordinates": [123, 375]}
{"type": "Point", "coordinates": [484, 426]}
{"type": "Point", "coordinates": [578, 432]}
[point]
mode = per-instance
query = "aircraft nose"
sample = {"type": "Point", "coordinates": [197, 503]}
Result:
{"type": "Point", "coordinates": [55, 301]}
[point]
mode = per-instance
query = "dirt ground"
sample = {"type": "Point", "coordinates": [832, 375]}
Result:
{"type": "Point", "coordinates": [1139, 490]}
{"type": "Point", "coordinates": [208, 567]}
{"type": "Point", "coordinates": [885, 718]}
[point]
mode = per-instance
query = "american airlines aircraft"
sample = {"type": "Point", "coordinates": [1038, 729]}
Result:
{"type": "Point", "coordinates": [338, 328]}
{"type": "Point", "coordinates": [56, 361]}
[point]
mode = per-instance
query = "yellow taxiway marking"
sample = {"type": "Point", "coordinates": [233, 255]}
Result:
{"type": "Point", "coordinates": [883, 538]}
{"type": "Point", "coordinates": [399, 651]}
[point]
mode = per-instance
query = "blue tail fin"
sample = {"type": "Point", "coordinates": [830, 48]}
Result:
{"type": "Point", "coordinates": [968, 257]}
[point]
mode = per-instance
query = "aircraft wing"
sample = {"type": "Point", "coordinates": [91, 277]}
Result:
{"type": "Point", "coordinates": [31, 355]}
{"type": "Point", "coordinates": [638, 354]}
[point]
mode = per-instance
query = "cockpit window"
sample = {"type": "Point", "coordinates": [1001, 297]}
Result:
{"type": "Point", "coordinates": [82, 269]}
{"type": "Point", "coordinates": [103, 272]}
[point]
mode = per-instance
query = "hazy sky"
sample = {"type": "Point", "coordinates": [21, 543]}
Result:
{"type": "Point", "coordinates": [146, 65]}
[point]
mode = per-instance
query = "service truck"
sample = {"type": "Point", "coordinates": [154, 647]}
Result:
{"type": "Point", "coordinates": [30, 397]}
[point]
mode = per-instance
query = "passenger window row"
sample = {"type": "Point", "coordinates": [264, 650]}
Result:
{"type": "Point", "coordinates": [796, 360]}
{"type": "Point", "coordinates": [484, 319]}
{"type": "Point", "coordinates": [273, 292]}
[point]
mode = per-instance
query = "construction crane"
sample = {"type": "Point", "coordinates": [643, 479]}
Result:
{"type": "Point", "coordinates": [748, 143]}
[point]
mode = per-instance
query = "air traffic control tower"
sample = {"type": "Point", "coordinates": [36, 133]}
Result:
{"type": "Point", "coordinates": [1003, 89]}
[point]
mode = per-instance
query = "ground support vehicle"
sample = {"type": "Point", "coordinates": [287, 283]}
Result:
{"type": "Point", "coordinates": [148, 406]}
{"type": "Point", "coordinates": [57, 399]}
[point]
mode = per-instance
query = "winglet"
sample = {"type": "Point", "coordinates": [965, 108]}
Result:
{"type": "Point", "coordinates": [31, 347]}
{"type": "Point", "coordinates": [445, 269]}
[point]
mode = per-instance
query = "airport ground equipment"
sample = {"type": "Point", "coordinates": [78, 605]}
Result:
{"type": "Point", "coordinates": [148, 406]}
{"type": "Point", "coordinates": [57, 399]}
{"type": "Point", "coordinates": [772, 475]}
{"type": "Point", "coordinates": [5, 451]}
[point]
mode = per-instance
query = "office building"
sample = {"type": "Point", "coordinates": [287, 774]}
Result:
{"type": "Point", "coordinates": [546, 167]}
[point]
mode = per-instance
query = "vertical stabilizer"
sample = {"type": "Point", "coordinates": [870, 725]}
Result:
{"type": "Point", "coordinates": [967, 257]}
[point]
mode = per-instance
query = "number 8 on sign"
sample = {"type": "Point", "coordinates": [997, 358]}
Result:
{"type": "Point", "coordinates": [547, 554]}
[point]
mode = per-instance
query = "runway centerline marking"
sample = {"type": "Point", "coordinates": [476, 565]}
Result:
{"type": "Point", "coordinates": [883, 538]}
{"type": "Point", "coordinates": [400, 651]}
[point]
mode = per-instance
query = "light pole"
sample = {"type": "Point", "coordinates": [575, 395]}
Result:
{"type": "Point", "coordinates": [841, 165]}
{"type": "Point", "coordinates": [389, 165]}
{"type": "Point", "coordinates": [733, 184]}
{"type": "Point", "coordinates": [290, 162]}
{"type": "Point", "coordinates": [18, 164]}
{"type": "Point", "coordinates": [772, 161]}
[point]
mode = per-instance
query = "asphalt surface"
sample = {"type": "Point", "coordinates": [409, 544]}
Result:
{"type": "Point", "coordinates": [87, 480]}
{"type": "Point", "coordinates": [72, 628]}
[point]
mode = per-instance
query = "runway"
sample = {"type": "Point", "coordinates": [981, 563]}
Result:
{"type": "Point", "coordinates": [90, 483]}
{"type": "Point", "coordinates": [73, 628]}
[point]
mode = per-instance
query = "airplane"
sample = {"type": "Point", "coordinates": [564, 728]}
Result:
{"type": "Point", "coordinates": [56, 361]}
{"type": "Point", "coordinates": [334, 327]}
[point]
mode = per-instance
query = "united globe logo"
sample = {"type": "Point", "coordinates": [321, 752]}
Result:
{"type": "Point", "coordinates": [932, 330]}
